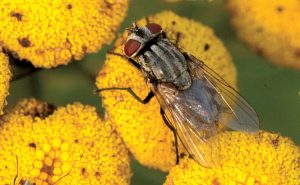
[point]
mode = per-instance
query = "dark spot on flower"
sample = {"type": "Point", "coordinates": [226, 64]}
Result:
{"type": "Point", "coordinates": [297, 53]}
{"type": "Point", "coordinates": [69, 6]}
{"type": "Point", "coordinates": [32, 145]}
{"type": "Point", "coordinates": [206, 47]}
{"type": "Point", "coordinates": [25, 42]}
{"type": "Point", "coordinates": [275, 142]}
{"type": "Point", "coordinates": [279, 9]}
{"type": "Point", "coordinates": [182, 155]}
{"type": "Point", "coordinates": [76, 141]}
{"type": "Point", "coordinates": [173, 22]}
{"type": "Point", "coordinates": [83, 171]}
{"type": "Point", "coordinates": [39, 51]}
{"type": "Point", "coordinates": [108, 5]}
{"type": "Point", "coordinates": [259, 51]}
{"type": "Point", "coordinates": [216, 182]}
{"type": "Point", "coordinates": [84, 49]}
{"type": "Point", "coordinates": [48, 169]}
{"type": "Point", "coordinates": [97, 174]}
{"type": "Point", "coordinates": [17, 15]}
{"type": "Point", "coordinates": [259, 29]}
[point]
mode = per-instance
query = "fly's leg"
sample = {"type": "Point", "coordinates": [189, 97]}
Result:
{"type": "Point", "coordinates": [128, 89]}
{"type": "Point", "coordinates": [133, 62]}
{"type": "Point", "coordinates": [169, 125]}
{"type": "Point", "coordinates": [15, 179]}
{"type": "Point", "coordinates": [178, 36]}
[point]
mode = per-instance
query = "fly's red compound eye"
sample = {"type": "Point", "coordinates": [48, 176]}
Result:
{"type": "Point", "coordinates": [131, 47]}
{"type": "Point", "coordinates": [154, 28]}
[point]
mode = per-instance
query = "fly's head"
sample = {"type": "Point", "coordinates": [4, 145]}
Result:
{"type": "Point", "coordinates": [139, 37]}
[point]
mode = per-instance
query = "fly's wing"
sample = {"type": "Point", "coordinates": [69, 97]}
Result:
{"type": "Point", "coordinates": [192, 113]}
{"type": "Point", "coordinates": [237, 114]}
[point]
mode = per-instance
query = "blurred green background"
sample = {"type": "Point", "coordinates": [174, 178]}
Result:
{"type": "Point", "coordinates": [274, 92]}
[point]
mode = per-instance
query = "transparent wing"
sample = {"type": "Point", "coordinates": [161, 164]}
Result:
{"type": "Point", "coordinates": [205, 108]}
{"type": "Point", "coordinates": [192, 113]}
{"type": "Point", "coordinates": [237, 114]}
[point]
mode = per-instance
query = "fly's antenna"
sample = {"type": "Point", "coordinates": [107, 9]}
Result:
{"type": "Point", "coordinates": [17, 170]}
{"type": "Point", "coordinates": [134, 27]}
{"type": "Point", "coordinates": [61, 178]}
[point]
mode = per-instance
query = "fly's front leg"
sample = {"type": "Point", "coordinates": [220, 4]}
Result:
{"type": "Point", "coordinates": [133, 62]}
{"type": "Point", "coordinates": [133, 94]}
{"type": "Point", "coordinates": [170, 126]}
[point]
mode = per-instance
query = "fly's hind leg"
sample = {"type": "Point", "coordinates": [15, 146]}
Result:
{"type": "Point", "coordinates": [130, 91]}
{"type": "Point", "coordinates": [169, 125]}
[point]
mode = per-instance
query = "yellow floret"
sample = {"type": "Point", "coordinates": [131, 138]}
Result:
{"type": "Point", "coordinates": [5, 76]}
{"type": "Point", "coordinates": [248, 159]}
{"type": "Point", "coordinates": [141, 126]}
{"type": "Point", "coordinates": [50, 33]}
{"type": "Point", "coordinates": [71, 143]}
{"type": "Point", "coordinates": [269, 27]}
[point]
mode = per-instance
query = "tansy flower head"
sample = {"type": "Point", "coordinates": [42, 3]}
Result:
{"type": "Point", "coordinates": [49, 33]}
{"type": "Point", "coordinates": [5, 76]}
{"type": "Point", "coordinates": [141, 126]}
{"type": "Point", "coordinates": [269, 27]}
{"type": "Point", "coordinates": [70, 144]}
{"type": "Point", "coordinates": [261, 159]}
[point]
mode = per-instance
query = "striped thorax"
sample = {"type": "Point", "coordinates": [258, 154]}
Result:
{"type": "Point", "coordinates": [159, 59]}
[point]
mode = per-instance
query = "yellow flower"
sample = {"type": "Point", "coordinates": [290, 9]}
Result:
{"type": "Point", "coordinates": [248, 159]}
{"type": "Point", "coordinates": [5, 76]}
{"type": "Point", "coordinates": [51, 143]}
{"type": "Point", "coordinates": [50, 33]}
{"type": "Point", "coordinates": [271, 28]}
{"type": "Point", "coordinates": [141, 126]}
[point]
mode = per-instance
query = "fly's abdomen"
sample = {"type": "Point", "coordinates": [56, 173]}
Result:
{"type": "Point", "coordinates": [164, 63]}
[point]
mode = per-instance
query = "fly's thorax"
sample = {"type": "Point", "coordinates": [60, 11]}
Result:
{"type": "Point", "coordinates": [164, 63]}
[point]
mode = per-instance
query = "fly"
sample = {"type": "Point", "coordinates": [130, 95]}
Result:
{"type": "Point", "coordinates": [194, 99]}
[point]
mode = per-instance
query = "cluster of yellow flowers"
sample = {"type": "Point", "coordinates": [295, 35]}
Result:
{"type": "Point", "coordinates": [5, 76]}
{"type": "Point", "coordinates": [70, 144]}
{"type": "Point", "coordinates": [247, 159]}
{"type": "Point", "coordinates": [50, 33]}
{"type": "Point", "coordinates": [271, 28]}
